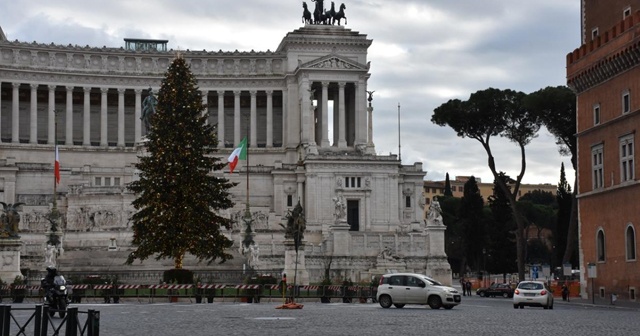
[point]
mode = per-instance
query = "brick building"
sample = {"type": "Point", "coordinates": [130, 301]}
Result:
{"type": "Point", "coordinates": [603, 72]}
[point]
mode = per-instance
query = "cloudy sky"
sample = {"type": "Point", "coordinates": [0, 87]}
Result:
{"type": "Point", "coordinates": [424, 53]}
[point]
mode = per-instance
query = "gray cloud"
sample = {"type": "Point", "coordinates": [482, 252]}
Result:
{"type": "Point", "coordinates": [423, 54]}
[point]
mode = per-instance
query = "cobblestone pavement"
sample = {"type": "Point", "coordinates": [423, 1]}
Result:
{"type": "Point", "coordinates": [477, 316]}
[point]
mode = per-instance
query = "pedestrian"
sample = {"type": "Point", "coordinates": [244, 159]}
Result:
{"type": "Point", "coordinates": [463, 285]}
{"type": "Point", "coordinates": [468, 286]}
{"type": "Point", "coordinates": [565, 292]}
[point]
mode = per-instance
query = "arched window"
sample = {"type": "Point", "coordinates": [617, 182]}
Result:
{"type": "Point", "coordinates": [600, 245]}
{"type": "Point", "coordinates": [631, 242]}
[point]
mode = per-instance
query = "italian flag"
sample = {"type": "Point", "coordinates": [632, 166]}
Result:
{"type": "Point", "coordinates": [56, 167]}
{"type": "Point", "coordinates": [239, 153]}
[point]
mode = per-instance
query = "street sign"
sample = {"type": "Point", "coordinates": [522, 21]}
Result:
{"type": "Point", "coordinates": [566, 269]}
{"type": "Point", "coordinates": [592, 271]}
{"type": "Point", "coordinates": [534, 272]}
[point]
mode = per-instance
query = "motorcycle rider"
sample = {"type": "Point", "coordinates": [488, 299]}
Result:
{"type": "Point", "coordinates": [47, 282]}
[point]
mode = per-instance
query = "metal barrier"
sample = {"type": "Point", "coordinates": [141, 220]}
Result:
{"type": "Point", "coordinates": [202, 292]}
{"type": "Point", "coordinates": [38, 323]}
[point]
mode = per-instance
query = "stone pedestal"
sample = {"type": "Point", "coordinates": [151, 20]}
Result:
{"type": "Point", "coordinates": [302, 278]}
{"type": "Point", "coordinates": [341, 238]}
{"type": "Point", "coordinates": [10, 259]}
{"type": "Point", "coordinates": [437, 264]}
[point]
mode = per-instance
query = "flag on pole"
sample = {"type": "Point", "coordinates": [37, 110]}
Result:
{"type": "Point", "coordinates": [239, 153]}
{"type": "Point", "coordinates": [56, 167]}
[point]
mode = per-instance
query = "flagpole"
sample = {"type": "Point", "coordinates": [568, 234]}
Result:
{"type": "Point", "coordinates": [55, 147]}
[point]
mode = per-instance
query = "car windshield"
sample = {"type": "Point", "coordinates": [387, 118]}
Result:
{"type": "Point", "coordinates": [432, 282]}
{"type": "Point", "coordinates": [530, 285]}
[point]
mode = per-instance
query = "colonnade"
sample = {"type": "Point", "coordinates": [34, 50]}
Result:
{"type": "Point", "coordinates": [65, 104]}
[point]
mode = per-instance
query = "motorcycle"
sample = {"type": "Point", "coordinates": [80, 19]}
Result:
{"type": "Point", "coordinates": [57, 296]}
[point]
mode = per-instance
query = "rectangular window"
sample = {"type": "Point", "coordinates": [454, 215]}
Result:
{"type": "Point", "coordinates": [597, 152]}
{"type": "Point", "coordinates": [98, 181]}
{"type": "Point", "coordinates": [407, 201]}
{"type": "Point", "coordinates": [626, 12]}
{"type": "Point", "coordinates": [289, 200]}
{"type": "Point", "coordinates": [596, 114]}
{"type": "Point", "coordinates": [107, 181]}
{"type": "Point", "coordinates": [626, 158]}
{"type": "Point", "coordinates": [116, 181]}
{"type": "Point", "coordinates": [632, 294]}
{"type": "Point", "coordinates": [626, 104]}
{"type": "Point", "coordinates": [594, 33]}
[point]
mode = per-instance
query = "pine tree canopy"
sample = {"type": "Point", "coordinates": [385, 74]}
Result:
{"type": "Point", "coordinates": [178, 200]}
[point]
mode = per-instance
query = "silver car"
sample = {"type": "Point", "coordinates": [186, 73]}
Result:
{"type": "Point", "coordinates": [534, 294]}
{"type": "Point", "coordinates": [398, 289]}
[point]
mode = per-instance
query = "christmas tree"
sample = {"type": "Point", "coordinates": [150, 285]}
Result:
{"type": "Point", "coordinates": [178, 200]}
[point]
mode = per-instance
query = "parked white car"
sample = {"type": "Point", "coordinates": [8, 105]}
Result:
{"type": "Point", "coordinates": [399, 289]}
{"type": "Point", "coordinates": [532, 293]}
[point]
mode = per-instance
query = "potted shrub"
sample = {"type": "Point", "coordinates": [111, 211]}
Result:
{"type": "Point", "coordinates": [18, 294]}
{"type": "Point", "coordinates": [324, 292]}
{"type": "Point", "coordinates": [179, 276]}
{"type": "Point", "coordinates": [347, 294]}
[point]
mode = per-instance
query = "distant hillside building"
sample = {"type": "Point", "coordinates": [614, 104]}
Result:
{"type": "Point", "coordinates": [604, 73]}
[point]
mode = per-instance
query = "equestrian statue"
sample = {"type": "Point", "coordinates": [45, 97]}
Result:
{"type": "Point", "coordinates": [322, 16]}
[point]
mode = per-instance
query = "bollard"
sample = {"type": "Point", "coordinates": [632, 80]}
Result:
{"type": "Point", "coordinates": [5, 320]}
{"type": "Point", "coordinates": [38, 320]}
{"type": "Point", "coordinates": [72, 322]}
{"type": "Point", "coordinates": [93, 324]}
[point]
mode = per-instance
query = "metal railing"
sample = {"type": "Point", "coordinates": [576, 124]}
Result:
{"type": "Point", "coordinates": [39, 323]}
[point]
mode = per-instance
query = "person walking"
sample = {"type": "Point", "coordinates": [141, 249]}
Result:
{"type": "Point", "coordinates": [468, 287]}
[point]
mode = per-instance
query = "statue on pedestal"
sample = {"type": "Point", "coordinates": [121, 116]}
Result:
{"type": "Point", "coordinates": [9, 220]}
{"type": "Point", "coordinates": [148, 108]}
{"type": "Point", "coordinates": [340, 205]}
{"type": "Point", "coordinates": [435, 214]}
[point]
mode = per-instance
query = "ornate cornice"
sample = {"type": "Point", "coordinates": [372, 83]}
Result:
{"type": "Point", "coordinates": [605, 69]}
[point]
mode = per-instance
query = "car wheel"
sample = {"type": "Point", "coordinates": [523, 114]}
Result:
{"type": "Point", "coordinates": [551, 306]}
{"type": "Point", "coordinates": [448, 307]}
{"type": "Point", "coordinates": [515, 306]}
{"type": "Point", "coordinates": [521, 306]}
{"type": "Point", "coordinates": [505, 295]}
{"type": "Point", "coordinates": [434, 302]}
{"type": "Point", "coordinates": [482, 294]}
{"type": "Point", "coordinates": [385, 301]}
{"type": "Point", "coordinates": [399, 305]}
{"type": "Point", "coordinates": [545, 307]}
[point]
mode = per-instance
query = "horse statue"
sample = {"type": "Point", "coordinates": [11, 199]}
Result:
{"type": "Point", "coordinates": [331, 12]}
{"type": "Point", "coordinates": [337, 16]}
{"type": "Point", "coordinates": [9, 220]}
{"type": "Point", "coordinates": [318, 11]}
{"type": "Point", "coordinates": [306, 14]}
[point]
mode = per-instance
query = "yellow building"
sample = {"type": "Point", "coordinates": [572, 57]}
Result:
{"type": "Point", "coordinates": [436, 188]}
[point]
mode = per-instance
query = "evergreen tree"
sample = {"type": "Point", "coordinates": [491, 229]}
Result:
{"type": "Point", "coordinates": [472, 218]}
{"type": "Point", "coordinates": [500, 256]}
{"type": "Point", "coordinates": [177, 197]}
{"type": "Point", "coordinates": [564, 197]}
{"type": "Point", "coordinates": [447, 187]}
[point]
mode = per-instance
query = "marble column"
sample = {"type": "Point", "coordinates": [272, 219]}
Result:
{"type": "Point", "coordinates": [236, 117]}
{"type": "Point", "coordinates": [305, 100]}
{"type": "Point", "coordinates": [51, 130]}
{"type": "Point", "coordinates": [254, 131]}
{"type": "Point", "coordinates": [137, 134]}
{"type": "Point", "coordinates": [205, 102]}
{"type": "Point", "coordinates": [269, 118]}
{"type": "Point", "coordinates": [69, 118]}
{"type": "Point", "coordinates": [342, 142]}
{"type": "Point", "coordinates": [33, 115]}
{"type": "Point", "coordinates": [360, 116]}
{"type": "Point", "coordinates": [325, 115]}
{"type": "Point", "coordinates": [103, 117]}
{"type": "Point", "coordinates": [86, 117]}
{"type": "Point", "coordinates": [15, 113]}
{"type": "Point", "coordinates": [220, 118]}
{"type": "Point", "coordinates": [121, 117]}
